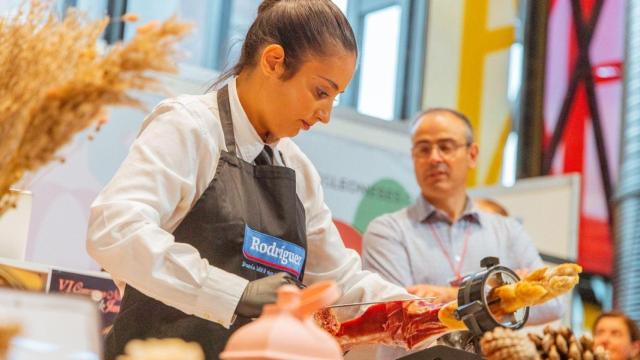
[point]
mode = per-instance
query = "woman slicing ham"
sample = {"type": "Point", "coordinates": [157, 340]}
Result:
{"type": "Point", "coordinates": [215, 207]}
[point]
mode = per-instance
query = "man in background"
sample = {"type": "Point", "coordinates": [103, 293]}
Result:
{"type": "Point", "coordinates": [431, 245]}
{"type": "Point", "coordinates": [618, 334]}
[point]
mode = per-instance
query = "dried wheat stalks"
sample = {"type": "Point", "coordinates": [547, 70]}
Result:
{"type": "Point", "coordinates": [54, 84]}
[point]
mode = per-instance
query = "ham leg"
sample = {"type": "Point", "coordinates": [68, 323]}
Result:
{"type": "Point", "coordinates": [411, 324]}
{"type": "Point", "coordinates": [406, 324]}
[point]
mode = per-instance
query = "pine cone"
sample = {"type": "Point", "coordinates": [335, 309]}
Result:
{"type": "Point", "coordinates": [575, 349]}
{"type": "Point", "coordinates": [562, 344]}
{"type": "Point", "coordinates": [505, 344]}
{"type": "Point", "coordinates": [587, 355]}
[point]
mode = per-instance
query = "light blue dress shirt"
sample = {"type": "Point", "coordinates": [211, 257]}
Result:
{"type": "Point", "coordinates": [406, 248]}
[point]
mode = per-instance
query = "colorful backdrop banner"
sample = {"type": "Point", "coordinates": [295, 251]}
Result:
{"type": "Point", "coordinates": [583, 95]}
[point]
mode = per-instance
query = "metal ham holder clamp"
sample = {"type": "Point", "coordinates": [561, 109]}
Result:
{"type": "Point", "coordinates": [474, 309]}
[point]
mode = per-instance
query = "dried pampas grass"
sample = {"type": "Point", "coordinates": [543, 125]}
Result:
{"type": "Point", "coordinates": [54, 84]}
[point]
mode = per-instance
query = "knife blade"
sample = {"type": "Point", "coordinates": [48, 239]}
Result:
{"type": "Point", "coordinates": [429, 299]}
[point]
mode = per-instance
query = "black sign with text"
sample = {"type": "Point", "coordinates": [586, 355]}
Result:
{"type": "Point", "coordinates": [102, 290]}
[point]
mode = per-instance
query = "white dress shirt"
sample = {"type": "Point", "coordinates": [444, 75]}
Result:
{"type": "Point", "coordinates": [169, 166]}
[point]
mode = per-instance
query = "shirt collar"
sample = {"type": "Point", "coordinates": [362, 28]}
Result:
{"type": "Point", "coordinates": [248, 141]}
{"type": "Point", "coordinates": [424, 211]}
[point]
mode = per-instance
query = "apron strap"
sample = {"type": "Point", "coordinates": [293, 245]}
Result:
{"type": "Point", "coordinates": [224, 110]}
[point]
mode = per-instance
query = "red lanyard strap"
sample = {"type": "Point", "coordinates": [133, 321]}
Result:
{"type": "Point", "coordinates": [456, 269]}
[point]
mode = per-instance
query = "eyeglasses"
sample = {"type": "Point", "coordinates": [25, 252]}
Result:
{"type": "Point", "coordinates": [446, 148]}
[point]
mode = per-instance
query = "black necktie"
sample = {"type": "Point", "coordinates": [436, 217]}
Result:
{"type": "Point", "coordinates": [265, 157]}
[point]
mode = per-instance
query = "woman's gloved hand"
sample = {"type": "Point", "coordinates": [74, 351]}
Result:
{"type": "Point", "coordinates": [263, 291]}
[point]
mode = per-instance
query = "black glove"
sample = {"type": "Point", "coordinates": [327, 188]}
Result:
{"type": "Point", "coordinates": [263, 291]}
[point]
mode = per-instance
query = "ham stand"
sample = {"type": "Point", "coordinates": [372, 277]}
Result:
{"type": "Point", "coordinates": [474, 300]}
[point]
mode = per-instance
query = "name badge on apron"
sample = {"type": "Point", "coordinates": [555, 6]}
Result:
{"type": "Point", "coordinates": [269, 254]}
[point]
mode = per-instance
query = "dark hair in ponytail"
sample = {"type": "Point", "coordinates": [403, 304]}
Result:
{"type": "Point", "coordinates": [301, 27]}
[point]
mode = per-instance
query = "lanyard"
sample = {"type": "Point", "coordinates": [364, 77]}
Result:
{"type": "Point", "coordinates": [454, 268]}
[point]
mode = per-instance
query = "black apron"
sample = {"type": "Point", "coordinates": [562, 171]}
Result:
{"type": "Point", "coordinates": [249, 221]}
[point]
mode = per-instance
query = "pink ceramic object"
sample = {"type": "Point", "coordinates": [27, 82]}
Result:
{"type": "Point", "coordinates": [285, 330]}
